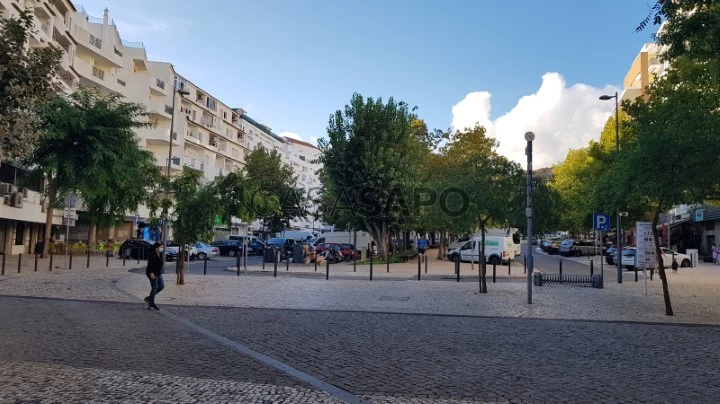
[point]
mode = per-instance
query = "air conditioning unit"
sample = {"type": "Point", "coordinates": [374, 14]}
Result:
{"type": "Point", "coordinates": [5, 188]}
{"type": "Point", "coordinates": [6, 200]}
{"type": "Point", "coordinates": [17, 199]}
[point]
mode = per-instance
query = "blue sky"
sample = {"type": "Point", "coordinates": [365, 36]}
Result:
{"type": "Point", "coordinates": [292, 63]}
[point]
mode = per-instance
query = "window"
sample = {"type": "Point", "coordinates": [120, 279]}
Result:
{"type": "Point", "coordinates": [180, 83]}
{"type": "Point", "coordinates": [19, 233]}
{"type": "Point", "coordinates": [210, 103]}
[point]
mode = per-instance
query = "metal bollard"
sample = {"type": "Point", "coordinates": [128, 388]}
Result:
{"type": "Point", "coordinates": [51, 258]}
{"type": "Point", "coordinates": [88, 258]}
{"type": "Point", "coordinates": [3, 264]}
{"type": "Point", "coordinates": [425, 259]}
{"type": "Point", "coordinates": [561, 270]}
{"type": "Point", "coordinates": [509, 263]}
{"type": "Point", "coordinates": [591, 267]}
{"type": "Point", "coordinates": [494, 265]}
{"type": "Point", "coordinates": [316, 257]}
{"type": "Point", "coordinates": [371, 267]}
{"type": "Point", "coordinates": [123, 259]}
{"type": "Point", "coordinates": [354, 263]}
{"type": "Point", "coordinates": [327, 269]}
{"type": "Point", "coordinates": [36, 261]}
{"type": "Point", "coordinates": [457, 269]}
{"type": "Point", "coordinates": [524, 264]}
{"type": "Point", "coordinates": [205, 265]}
{"type": "Point", "coordinates": [107, 260]}
{"type": "Point", "coordinates": [419, 265]}
{"type": "Point", "coordinates": [70, 261]}
{"type": "Point", "coordinates": [287, 263]}
{"type": "Point", "coordinates": [19, 261]}
{"type": "Point", "coordinates": [636, 275]}
{"type": "Point", "coordinates": [387, 264]}
{"type": "Point", "coordinates": [275, 262]}
{"type": "Point", "coordinates": [237, 262]}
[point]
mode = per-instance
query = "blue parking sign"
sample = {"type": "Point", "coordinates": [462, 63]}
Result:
{"type": "Point", "coordinates": [601, 221]}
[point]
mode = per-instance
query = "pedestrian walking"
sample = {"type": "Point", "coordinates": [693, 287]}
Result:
{"type": "Point", "coordinates": [715, 254]}
{"type": "Point", "coordinates": [154, 273]}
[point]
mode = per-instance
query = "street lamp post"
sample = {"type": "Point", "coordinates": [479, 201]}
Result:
{"type": "Point", "coordinates": [529, 136]}
{"type": "Point", "coordinates": [617, 150]}
{"type": "Point", "coordinates": [169, 161]}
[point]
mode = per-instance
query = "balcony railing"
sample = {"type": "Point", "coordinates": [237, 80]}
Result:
{"type": "Point", "coordinates": [98, 73]}
{"type": "Point", "coordinates": [95, 41]}
{"type": "Point", "coordinates": [168, 109]}
{"type": "Point", "coordinates": [160, 83]}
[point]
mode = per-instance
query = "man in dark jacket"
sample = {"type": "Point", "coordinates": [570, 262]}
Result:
{"type": "Point", "coordinates": [154, 272]}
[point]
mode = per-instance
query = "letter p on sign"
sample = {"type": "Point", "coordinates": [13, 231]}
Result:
{"type": "Point", "coordinates": [601, 221]}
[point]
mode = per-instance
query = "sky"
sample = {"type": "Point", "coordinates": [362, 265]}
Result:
{"type": "Point", "coordinates": [511, 65]}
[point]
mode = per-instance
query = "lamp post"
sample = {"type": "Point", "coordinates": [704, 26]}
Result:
{"type": "Point", "coordinates": [169, 161]}
{"type": "Point", "coordinates": [617, 150]}
{"type": "Point", "coordinates": [529, 136]}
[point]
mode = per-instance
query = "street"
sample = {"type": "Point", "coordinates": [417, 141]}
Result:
{"type": "Point", "coordinates": [131, 354]}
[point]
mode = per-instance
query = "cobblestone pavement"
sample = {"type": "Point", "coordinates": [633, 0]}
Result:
{"type": "Point", "coordinates": [441, 357]}
{"type": "Point", "coordinates": [25, 382]}
{"type": "Point", "coordinates": [74, 340]}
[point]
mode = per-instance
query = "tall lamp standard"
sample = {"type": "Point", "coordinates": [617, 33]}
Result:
{"type": "Point", "coordinates": [169, 161]}
{"type": "Point", "coordinates": [529, 137]}
{"type": "Point", "coordinates": [617, 150]}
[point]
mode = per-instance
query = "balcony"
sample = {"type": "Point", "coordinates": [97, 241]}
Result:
{"type": "Point", "coordinates": [194, 137]}
{"type": "Point", "coordinates": [162, 158]}
{"type": "Point", "coordinates": [160, 136]}
{"type": "Point", "coordinates": [96, 46]}
{"type": "Point", "coordinates": [159, 109]}
{"type": "Point", "coordinates": [157, 86]}
{"type": "Point", "coordinates": [193, 163]}
{"type": "Point", "coordinates": [94, 75]}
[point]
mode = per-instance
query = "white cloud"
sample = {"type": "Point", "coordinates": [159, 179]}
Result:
{"type": "Point", "coordinates": [561, 117]}
{"type": "Point", "coordinates": [291, 135]}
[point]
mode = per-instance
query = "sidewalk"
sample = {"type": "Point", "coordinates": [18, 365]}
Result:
{"type": "Point", "coordinates": [693, 292]}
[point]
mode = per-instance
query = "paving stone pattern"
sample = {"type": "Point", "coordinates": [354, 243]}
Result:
{"type": "Point", "coordinates": [423, 357]}
{"type": "Point", "coordinates": [119, 336]}
{"type": "Point", "coordinates": [34, 383]}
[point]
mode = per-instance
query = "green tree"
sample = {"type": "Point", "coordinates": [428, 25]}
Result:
{"type": "Point", "coordinates": [272, 176]}
{"type": "Point", "coordinates": [491, 182]}
{"type": "Point", "coordinates": [194, 206]}
{"type": "Point", "coordinates": [239, 197]}
{"type": "Point", "coordinates": [371, 162]}
{"type": "Point", "coordinates": [26, 77]}
{"type": "Point", "coordinates": [86, 145]}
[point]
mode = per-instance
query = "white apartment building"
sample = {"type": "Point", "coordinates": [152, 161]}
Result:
{"type": "Point", "coordinates": [22, 212]}
{"type": "Point", "coordinates": [303, 158]}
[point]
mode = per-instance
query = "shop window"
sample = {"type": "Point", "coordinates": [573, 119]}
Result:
{"type": "Point", "coordinates": [19, 233]}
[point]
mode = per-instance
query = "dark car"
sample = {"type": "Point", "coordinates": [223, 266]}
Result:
{"type": "Point", "coordinates": [228, 247]}
{"type": "Point", "coordinates": [135, 249]}
{"type": "Point", "coordinates": [256, 247]}
{"type": "Point", "coordinates": [285, 244]}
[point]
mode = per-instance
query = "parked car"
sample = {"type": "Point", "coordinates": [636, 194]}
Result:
{"type": "Point", "coordinates": [256, 247]}
{"type": "Point", "coordinates": [629, 258]}
{"type": "Point", "coordinates": [206, 251]}
{"type": "Point", "coordinates": [349, 252]}
{"type": "Point", "coordinates": [135, 249]}
{"type": "Point", "coordinates": [551, 246]}
{"type": "Point", "coordinates": [227, 247]}
{"type": "Point", "coordinates": [577, 248]}
{"type": "Point", "coordinates": [173, 249]}
{"type": "Point", "coordinates": [286, 244]}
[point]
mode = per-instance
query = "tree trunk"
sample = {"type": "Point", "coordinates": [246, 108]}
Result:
{"type": "Point", "coordinates": [181, 265]}
{"type": "Point", "coordinates": [52, 197]}
{"type": "Point", "coordinates": [661, 265]}
{"type": "Point", "coordinates": [92, 232]}
{"type": "Point", "coordinates": [482, 270]}
{"type": "Point", "coordinates": [440, 246]}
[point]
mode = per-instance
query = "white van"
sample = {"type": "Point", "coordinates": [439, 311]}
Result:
{"type": "Point", "coordinates": [298, 235]}
{"type": "Point", "coordinates": [512, 233]}
{"type": "Point", "coordinates": [498, 250]}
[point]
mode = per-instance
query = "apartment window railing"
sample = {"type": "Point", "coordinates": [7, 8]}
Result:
{"type": "Point", "coordinates": [168, 109]}
{"type": "Point", "coordinates": [160, 83]}
{"type": "Point", "coordinates": [95, 41]}
{"type": "Point", "coordinates": [98, 73]}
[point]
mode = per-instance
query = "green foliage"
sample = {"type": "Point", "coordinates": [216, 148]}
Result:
{"type": "Point", "coordinates": [371, 163]}
{"type": "Point", "coordinates": [87, 146]}
{"type": "Point", "coordinates": [269, 176]}
{"type": "Point", "coordinates": [26, 77]}
{"type": "Point", "coordinates": [244, 199]}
